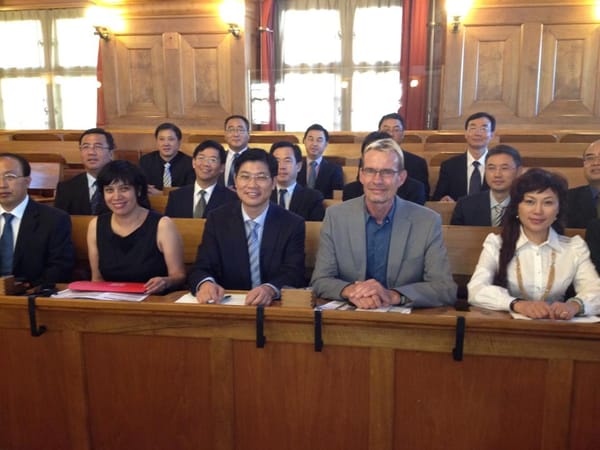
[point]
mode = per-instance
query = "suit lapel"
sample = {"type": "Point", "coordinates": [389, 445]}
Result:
{"type": "Point", "coordinates": [28, 227]}
{"type": "Point", "coordinates": [357, 239]}
{"type": "Point", "coordinates": [239, 248]}
{"type": "Point", "coordinates": [398, 242]}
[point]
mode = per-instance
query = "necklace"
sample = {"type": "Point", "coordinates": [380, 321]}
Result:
{"type": "Point", "coordinates": [549, 283]}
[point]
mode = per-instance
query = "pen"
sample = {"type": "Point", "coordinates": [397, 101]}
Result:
{"type": "Point", "coordinates": [225, 297]}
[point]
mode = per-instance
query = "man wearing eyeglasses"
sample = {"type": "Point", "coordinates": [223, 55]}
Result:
{"type": "Point", "coordinates": [584, 201]}
{"type": "Point", "coordinates": [78, 195]}
{"type": "Point", "coordinates": [251, 244]}
{"type": "Point", "coordinates": [378, 250]}
{"type": "Point", "coordinates": [502, 166]}
{"type": "Point", "coordinates": [35, 239]}
{"type": "Point", "coordinates": [237, 135]}
{"type": "Point", "coordinates": [197, 199]}
{"type": "Point", "coordinates": [464, 174]}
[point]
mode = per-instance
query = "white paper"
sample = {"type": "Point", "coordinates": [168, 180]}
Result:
{"type": "Point", "coordinates": [229, 299]}
{"type": "Point", "coordinates": [576, 319]}
{"type": "Point", "coordinates": [345, 306]}
{"type": "Point", "coordinates": [94, 295]}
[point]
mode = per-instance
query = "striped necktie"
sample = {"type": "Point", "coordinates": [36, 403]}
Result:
{"type": "Point", "coordinates": [312, 175]}
{"type": "Point", "coordinates": [498, 214]}
{"type": "Point", "coordinates": [200, 205]}
{"type": "Point", "coordinates": [253, 252]}
{"type": "Point", "coordinates": [167, 175]}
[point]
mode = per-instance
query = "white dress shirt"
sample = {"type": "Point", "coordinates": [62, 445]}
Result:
{"type": "Point", "coordinates": [572, 265]}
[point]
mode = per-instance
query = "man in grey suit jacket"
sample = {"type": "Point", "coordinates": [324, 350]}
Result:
{"type": "Point", "coordinates": [379, 250]}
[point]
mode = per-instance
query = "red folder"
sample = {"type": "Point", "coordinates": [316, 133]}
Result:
{"type": "Point", "coordinates": [107, 286]}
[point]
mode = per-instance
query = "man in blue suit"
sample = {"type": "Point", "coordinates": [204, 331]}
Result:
{"type": "Point", "coordinates": [502, 166]}
{"type": "Point", "coordinates": [318, 173]}
{"type": "Point", "coordinates": [196, 200]}
{"type": "Point", "coordinates": [288, 194]}
{"type": "Point", "coordinates": [252, 244]}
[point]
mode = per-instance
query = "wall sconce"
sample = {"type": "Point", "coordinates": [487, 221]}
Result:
{"type": "Point", "coordinates": [103, 20]}
{"type": "Point", "coordinates": [456, 10]}
{"type": "Point", "coordinates": [233, 12]}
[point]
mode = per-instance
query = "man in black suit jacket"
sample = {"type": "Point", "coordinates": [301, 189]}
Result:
{"type": "Point", "coordinates": [415, 166]}
{"type": "Point", "coordinates": [502, 166]}
{"type": "Point", "coordinates": [78, 194]}
{"type": "Point", "coordinates": [456, 173]}
{"type": "Point", "coordinates": [224, 259]}
{"type": "Point", "coordinates": [288, 194]}
{"type": "Point", "coordinates": [168, 140]}
{"type": "Point", "coordinates": [329, 176]}
{"type": "Point", "coordinates": [412, 190]}
{"type": "Point", "coordinates": [582, 200]}
{"type": "Point", "coordinates": [43, 250]}
{"type": "Point", "coordinates": [237, 135]}
{"type": "Point", "coordinates": [196, 200]}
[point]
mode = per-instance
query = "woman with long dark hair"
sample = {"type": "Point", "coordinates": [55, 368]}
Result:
{"type": "Point", "coordinates": [530, 265]}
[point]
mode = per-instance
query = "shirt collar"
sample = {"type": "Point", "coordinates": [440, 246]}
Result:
{"type": "Point", "coordinates": [388, 217]}
{"type": "Point", "coordinates": [90, 180]}
{"type": "Point", "coordinates": [553, 241]}
{"type": "Point", "coordinates": [209, 190]}
{"type": "Point", "coordinates": [289, 188]}
{"type": "Point", "coordinates": [493, 202]}
{"type": "Point", "coordinates": [481, 160]}
{"type": "Point", "coordinates": [19, 210]}
{"type": "Point", "coordinates": [260, 219]}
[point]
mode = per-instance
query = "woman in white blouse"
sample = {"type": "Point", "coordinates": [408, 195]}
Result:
{"type": "Point", "coordinates": [529, 266]}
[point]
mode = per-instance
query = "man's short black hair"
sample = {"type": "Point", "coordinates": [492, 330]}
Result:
{"type": "Point", "coordinates": [294, 147]}
{"type": "Point", "coordinates": [479, 115]}
{"type": "Point", "coordinates": [503, 149]}
{"type": "Point", "coordinates": [168, 126]}
{"type": "Point", "coordinates": [25, 166]}
{"type": "Point", "coordinates": [259, 155]}
{"type": "Point", "coordinates": [237, 116]}
{"type": "Point", "coordinates": [317, 127]}
{"type": "Point", "coordinates": [211, 144]}
{"type": "Point", "coordinates": [394, 116]}
{"type": "Point", "coordinates": [109, 137]}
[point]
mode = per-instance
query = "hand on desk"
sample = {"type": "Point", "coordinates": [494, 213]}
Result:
{"type": "Point", "coordinates": [537, 309]}
{"type": "Point", "coordinates": [210, 292]}
{"type": "Point", "coordinates": [260, 295]}
{"type": "Point", "coordinates": [370, 294]}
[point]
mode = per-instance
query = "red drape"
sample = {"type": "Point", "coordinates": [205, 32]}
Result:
{"type": "Point", "coordinates": [267, 59]}
{"type": "Point", "coordinates": [100, 112]}
{"type": "Point", "coordinates": [414, 63]}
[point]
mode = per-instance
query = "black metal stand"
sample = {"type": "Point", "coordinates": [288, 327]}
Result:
{"type": "Point", "coordinates": [35, 331]}
{"type": "Point", "coordinates": [318, 330]}
{"type": "Point", "coordinates": [457, 351]}
{"type": "Point", "coordinates": [260, 327]}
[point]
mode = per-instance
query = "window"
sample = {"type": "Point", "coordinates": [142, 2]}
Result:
{"type": "Point", "coordinates": [340, 66]}
{"type": "Point", "coordinates": [48, 71]}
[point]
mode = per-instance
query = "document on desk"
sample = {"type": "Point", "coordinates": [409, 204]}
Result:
{"type": "Point", "coordinates": [580, 319]}
{"type": "Point", "coordinates": [96, 295]}
{"type": "Point", "coordinates": [229, 299]}
{"type": "Point", "coordinates": [345, 306]}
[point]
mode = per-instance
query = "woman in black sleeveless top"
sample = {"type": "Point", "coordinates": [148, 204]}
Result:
{"type": "Point", "coordinates": [131, 242]}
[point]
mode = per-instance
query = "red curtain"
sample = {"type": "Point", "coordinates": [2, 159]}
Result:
{"type": "Point", "coordinates": [267, 58]}
{"type": "Point", "coordinates": [100, 112]}
{"type": "Point", "coordinates": [413, 63]}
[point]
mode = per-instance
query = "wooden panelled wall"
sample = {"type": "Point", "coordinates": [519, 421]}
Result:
{"type": "Point", "coordinates": [532, 64]}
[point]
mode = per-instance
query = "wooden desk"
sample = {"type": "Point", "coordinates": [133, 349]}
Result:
{"type": "Point", "coordinates": [157, 375]}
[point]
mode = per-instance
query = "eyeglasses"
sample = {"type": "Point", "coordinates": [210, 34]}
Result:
{"type": "Point", "coordinates": [11, 177]}
{"type": "Point", "coordinates": [385, 173]}
{"type": "Point", "coordinates": [234, 130]}
{"type": "Point", "coordinates": [479, 130]}
{"type": "Point", "coordinates": [590, 158]}
{"type": "Point", "coordinates": [88, 147]}
{"type": "Point", "coordinates": [260, 178]}
{"type": "Point", "coordinates": [502, 169]}
{"type": "Point", "coordinates": [207, 159]}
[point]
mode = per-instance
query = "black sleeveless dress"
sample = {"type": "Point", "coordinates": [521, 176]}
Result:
{"type": "Point", "coordinates": [135, 257]}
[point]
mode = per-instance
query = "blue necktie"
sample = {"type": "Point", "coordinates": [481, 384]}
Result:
{"type": "Point", "coordinates": [6, 246]}
{"type": "Point", "coordinates": [95, 200]}
{"type": "Point", "coordinates": [312, 175]}
{"type": "Point", "coordinates": [231, 170]}
{"type": "Point", "coordinates": [253, 252]}
{"type": "Point", "coordinates": [282, 193]}
{"type": "Point", "coordinates": [475, 182]}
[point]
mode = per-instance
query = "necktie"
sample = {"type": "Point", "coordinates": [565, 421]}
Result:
{"type": "Point", "coordinates": [231, 170]}
{"type": "Point", "coordinates": [200, 205]}
{"type": "Point", "coordinates": [253, 252]}
{"type": "Point", "coordinates": [312, 175]}
{"type": "Point", "coordinates": [95, 200]}
{"type": "Point", "coordinates": [475, 182]}
{"type": "Point", "coordinates": [498, 213]}
{"type": "Point", "coordinates": [282, 193]}
{"type": "Point", "coordinates": [6, 246]}
{"type": "Point", "coordinates": [167, 182]}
